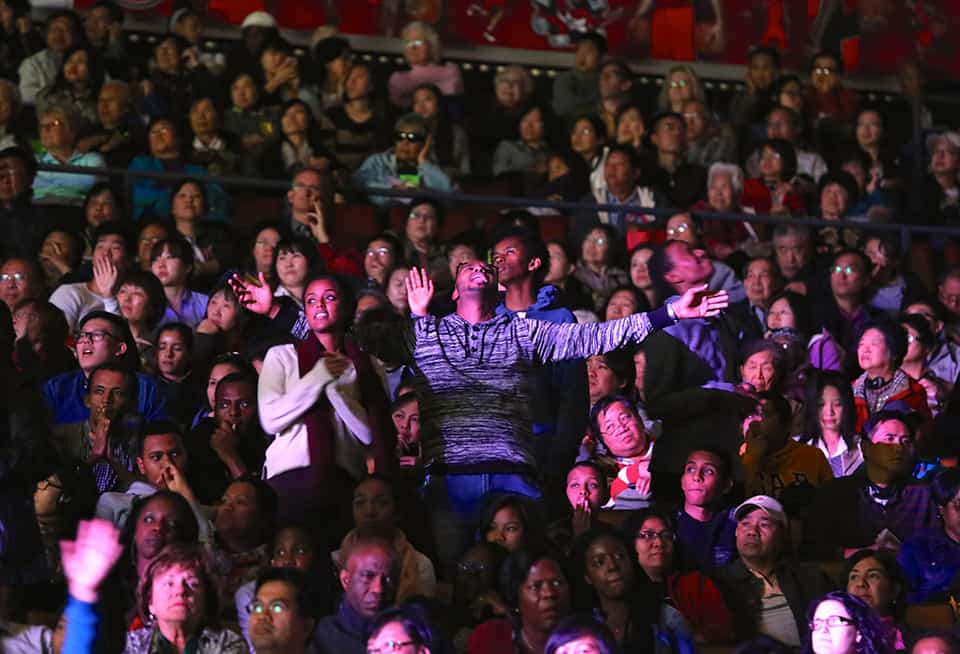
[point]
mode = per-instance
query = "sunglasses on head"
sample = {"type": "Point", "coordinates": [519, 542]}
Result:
{"type": "Point", "coordinates": [412, 137]}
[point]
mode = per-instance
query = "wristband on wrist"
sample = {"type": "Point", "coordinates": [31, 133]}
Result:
{"type": "Point", "coordinates": [671, 312]}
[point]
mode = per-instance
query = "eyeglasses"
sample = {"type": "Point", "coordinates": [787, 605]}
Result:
{"type": "Point", "coordinates": [679, 84]}
{"type": "Point", "coordinates": [297, 186]}
{"type": "Point", "coordinates": [416, 43]}
{"type": "Point", "coordinates": [847, 270]}
{"type": "Point", "coordinates": [676, 231]}
{"type": "Point", "coordinates": [276, 607]}
{"type": "Point", "coordinates": [770, 154]}
{"type": "Point", "coordinates": [823, 70]}
{"type": "Point", "coordinates": [410, 137]}
{"type": "Point", "coordinates": [692, 114]}
{"type": "Point", "coordinates": [830, 622]}
{"type": "Point", "coordinates": [96, 336]}
{"type": "Point", "coordinates": [472, 567]}
{"type": "Point", "coordinates": [156, 131]}
{"type": "Point", "coordinates": [16, 277]}
{"type": "Point", "coordinates": [912, 339]}
{"type": "Point", "coordinates": [649, 535]}
{"type": "Point", "coordinates": [597, 241]}
{"type": "Point", "coordinates": [265, 244]}
{"type": "Point", "coordinates": [379, 252]}
{"type": "Point", "coordinates": [391, 646]}
{"type": "Point", "coordinates": [50, 125]}
{"type": "Point", "coordinates": [421, 215]}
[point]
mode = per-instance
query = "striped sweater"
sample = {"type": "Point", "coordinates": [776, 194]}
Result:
{"type": "Point", "coordinates": [475, 381]}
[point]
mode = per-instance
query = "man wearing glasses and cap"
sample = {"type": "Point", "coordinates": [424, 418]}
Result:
{"type": "Point", "coordinates": [405, 166]}
{"type": "Point", "coordinates": [769, 593]}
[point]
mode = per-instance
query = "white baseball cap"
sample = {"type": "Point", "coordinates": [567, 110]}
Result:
{"type": "Point", "coordinates": [259, 19]}
{"type": "Point", "coordinates": [765, 503]}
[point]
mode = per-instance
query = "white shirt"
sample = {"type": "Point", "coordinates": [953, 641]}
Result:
{"type": "Point", "coordinates": [76, 301]}
{"type": "Point", "coordinates": [283, 396]}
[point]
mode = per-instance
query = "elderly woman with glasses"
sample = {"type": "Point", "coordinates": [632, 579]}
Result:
{"type": "Point", "coordinates": [405, 166]}
{"type": "Point", "coordinates": [59, 127]}
{"type": "Point", "coordinates": [422, 52]}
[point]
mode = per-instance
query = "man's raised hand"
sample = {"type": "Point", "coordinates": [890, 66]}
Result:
{"type": "Point", "coordinates": [257, 298]}
{"type": "Point", "coordinates": [698, 302]}
{"type": "Point", "coordinates": [419, 291]}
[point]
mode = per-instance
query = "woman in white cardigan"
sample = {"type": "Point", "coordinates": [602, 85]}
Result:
{"type": "Point", "coordinates": [325, 402]}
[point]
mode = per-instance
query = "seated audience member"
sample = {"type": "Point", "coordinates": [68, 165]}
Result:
{"type": "Point", "coordinates": [112, 256]}
{"type": "Point", "coordinates": [844, 311]}
{"type": "Point", "coordinates": [761, 282]}
{"type": "Point", "coordinates": [640, 272]}
{"type": "Point", "coordinates": [285, 80]}
{"type": "Point", "coordinates": [830, 422]}
{"type": "Point", "coordinates": [212, 147]}
{"type": "Point", "coordinates": [104, 440]}
{"type": "Point", "coordinates": [612, 373]}
{"type": "Point", "coordinates": [41, 333]}
{"type": "Point", "coordinates": [510, 521]}
{"type": "Point", "coordinates": [231, 444]}
{"type": "Point", "coordinates": [776, 465]}
{"type": "Point", "coordinates": [381, 254]}
{"type": "Point", "coordinates": [58, 135]}
{"type": "Point", "coordinates": [876, 578]}
{"type": "Point", "coordinates": [920, 343]}
{"type": "Point", "coordinates": [880, 352]}
{"type": "Point", "coordinates": [171, 261]}
{"type": "Point", "coordinates": [678, 267]}
{"type": "Point", "coordinates": [750, 104]}
{"type": "Point", "coordinates": [703, 614]}
{"type": "Point", "coordinates": [708, 140]}
{"type": "Point", "coordinates": [580, 634]}
{"type": "Point", "coordinates": [762, 369]}
{"type": "Point", "coordinates": [101, 337]}
{"type": "Point", "coordinates": [61, 256]}
{"type": "Point", "coordinates": [599, 266]}
{"type": "Point", "coordinates": [793, 252]}
{"type": "Point", "coordinates": [723, 238]}
{"type": "Point", "coordinates": [880, 506]}
{"type": "Point", "coordinates": [409, 624]}
{"type": "Point", "coordinates": [944, 360]}
{"type": "Point", "coordinates": [24, 225]}
{"type": "Point", "coordinates": [293, 548]}
{"type": "Point", "coordinates": [578, 87]}
{"type": "Point", "coordinates": [772, 191]}
{"type": "Point", "coordinates": [838, 193]}
{"type": "Point", "coordinates": [178, 617]}
{"type": "Point", "coordinates": [282, 613]}
{"type": "Point", "coordinates": [190, 211]}
{"type": "Point", "coordinates": [526, 156]}
{"type": "Point", "coordinates": [931, 559]}
{"type": "Point", "coordinates": [475, 597]}
{"type": "Point", "coordinates": [536, 589]}
{"type": "Point", "coordinates": [360, 122]}
{"type": "Point", "coordinates": [368, 578]}
{"type": "Point", "coordinates": [302, 143]}
{"type": "Point", "coordinates": [934, 642]}
{"type": "Point", "coordinates": [152, 198]}
{"type": "Point", "coordinates": [586, 493]}
{"type": "Point", "coordinates": [422, 52]}
{"type": "Point", "coordinates": [175, 368]}
{"type": "Point", "coordinates": [863, 629]}
{"type": "Point", "coordinates": [63, 31]}
{"type": "Point", "coordinates": [249, 121]}
{"type": "Point", "coordinates": [621, 176]}
{"type": "Point", "coordinates": [117, 134]}
{"type": "Point", "coordinates": [706, 531]}
{"type": "Point", "coordinates": [683, 227]}
{"type": "Point", "coordinates": [768, 593]}
{"type": "Point", "coordinates": [499, 115]}
{"type": "Point", "coordinates": [827, 99]}
{"type": "Point", "coordinates": [892, 287]}
{"type": "Point", "coordinates": [76, 86]}
{"type": "Point", "coordinates": [448, 146]}
{"type": "Point", "coordinates": [141, 302]}
{"type": "Point", "coordinates": [243, 523]}
{"type": "Point", "coordinates": [615, 423]}
{"type": "Point", "coordinates": [683, 183]}
{"type": "Point", "coordinates": [376, 511]}
{"type": "Point", "coordinates": [937, 196]}
{"type": "Point", "coordinates": [404, 166]}
{"type": "Point", "coordinates": [175, 78]}
{"type": "Point", "coordinates": [162, 464]}
{"type": "Point", "coordinates": [587, 137]}
{"type": "Point", "coordinates": [20, 279]}
{"type": "Point", "coordinates": [948, 291]}
{"type": "Point", "coordinates": [787, 124]}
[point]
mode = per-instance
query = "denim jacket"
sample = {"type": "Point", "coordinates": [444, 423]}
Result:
{"type": "Point", "coordinates": [930, 561]}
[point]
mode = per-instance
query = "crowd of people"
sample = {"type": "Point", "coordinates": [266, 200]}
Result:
{"type": "Point", "coordinates": [651, 433]}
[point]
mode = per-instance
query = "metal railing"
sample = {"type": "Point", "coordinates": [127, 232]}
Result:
{"type": "Point", "coordinates": [570, 209]}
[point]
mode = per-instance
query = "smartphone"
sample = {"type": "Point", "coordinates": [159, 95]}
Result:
{"type": "Point", "coordinates": [249, 278]}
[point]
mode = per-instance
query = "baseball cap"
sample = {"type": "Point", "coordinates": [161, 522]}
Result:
{"type": "Point", "coordinates": [258, 19]}
{"type": "Point", "coordinates": [766, 503]}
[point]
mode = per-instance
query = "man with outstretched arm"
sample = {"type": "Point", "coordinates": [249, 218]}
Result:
{"type": "Point", "coordinates": [474, 378]}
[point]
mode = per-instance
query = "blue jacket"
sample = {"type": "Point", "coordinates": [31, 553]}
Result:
{"type": "Point", "coordinates": [930, 561]}
{"type": "Point", "coordinates": [64, 395]}
{"type": "Point", "coordinates": [380, 171]}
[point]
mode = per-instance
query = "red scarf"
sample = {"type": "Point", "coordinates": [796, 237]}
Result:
{"type": "Point", "coordinates": [319, 421]}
